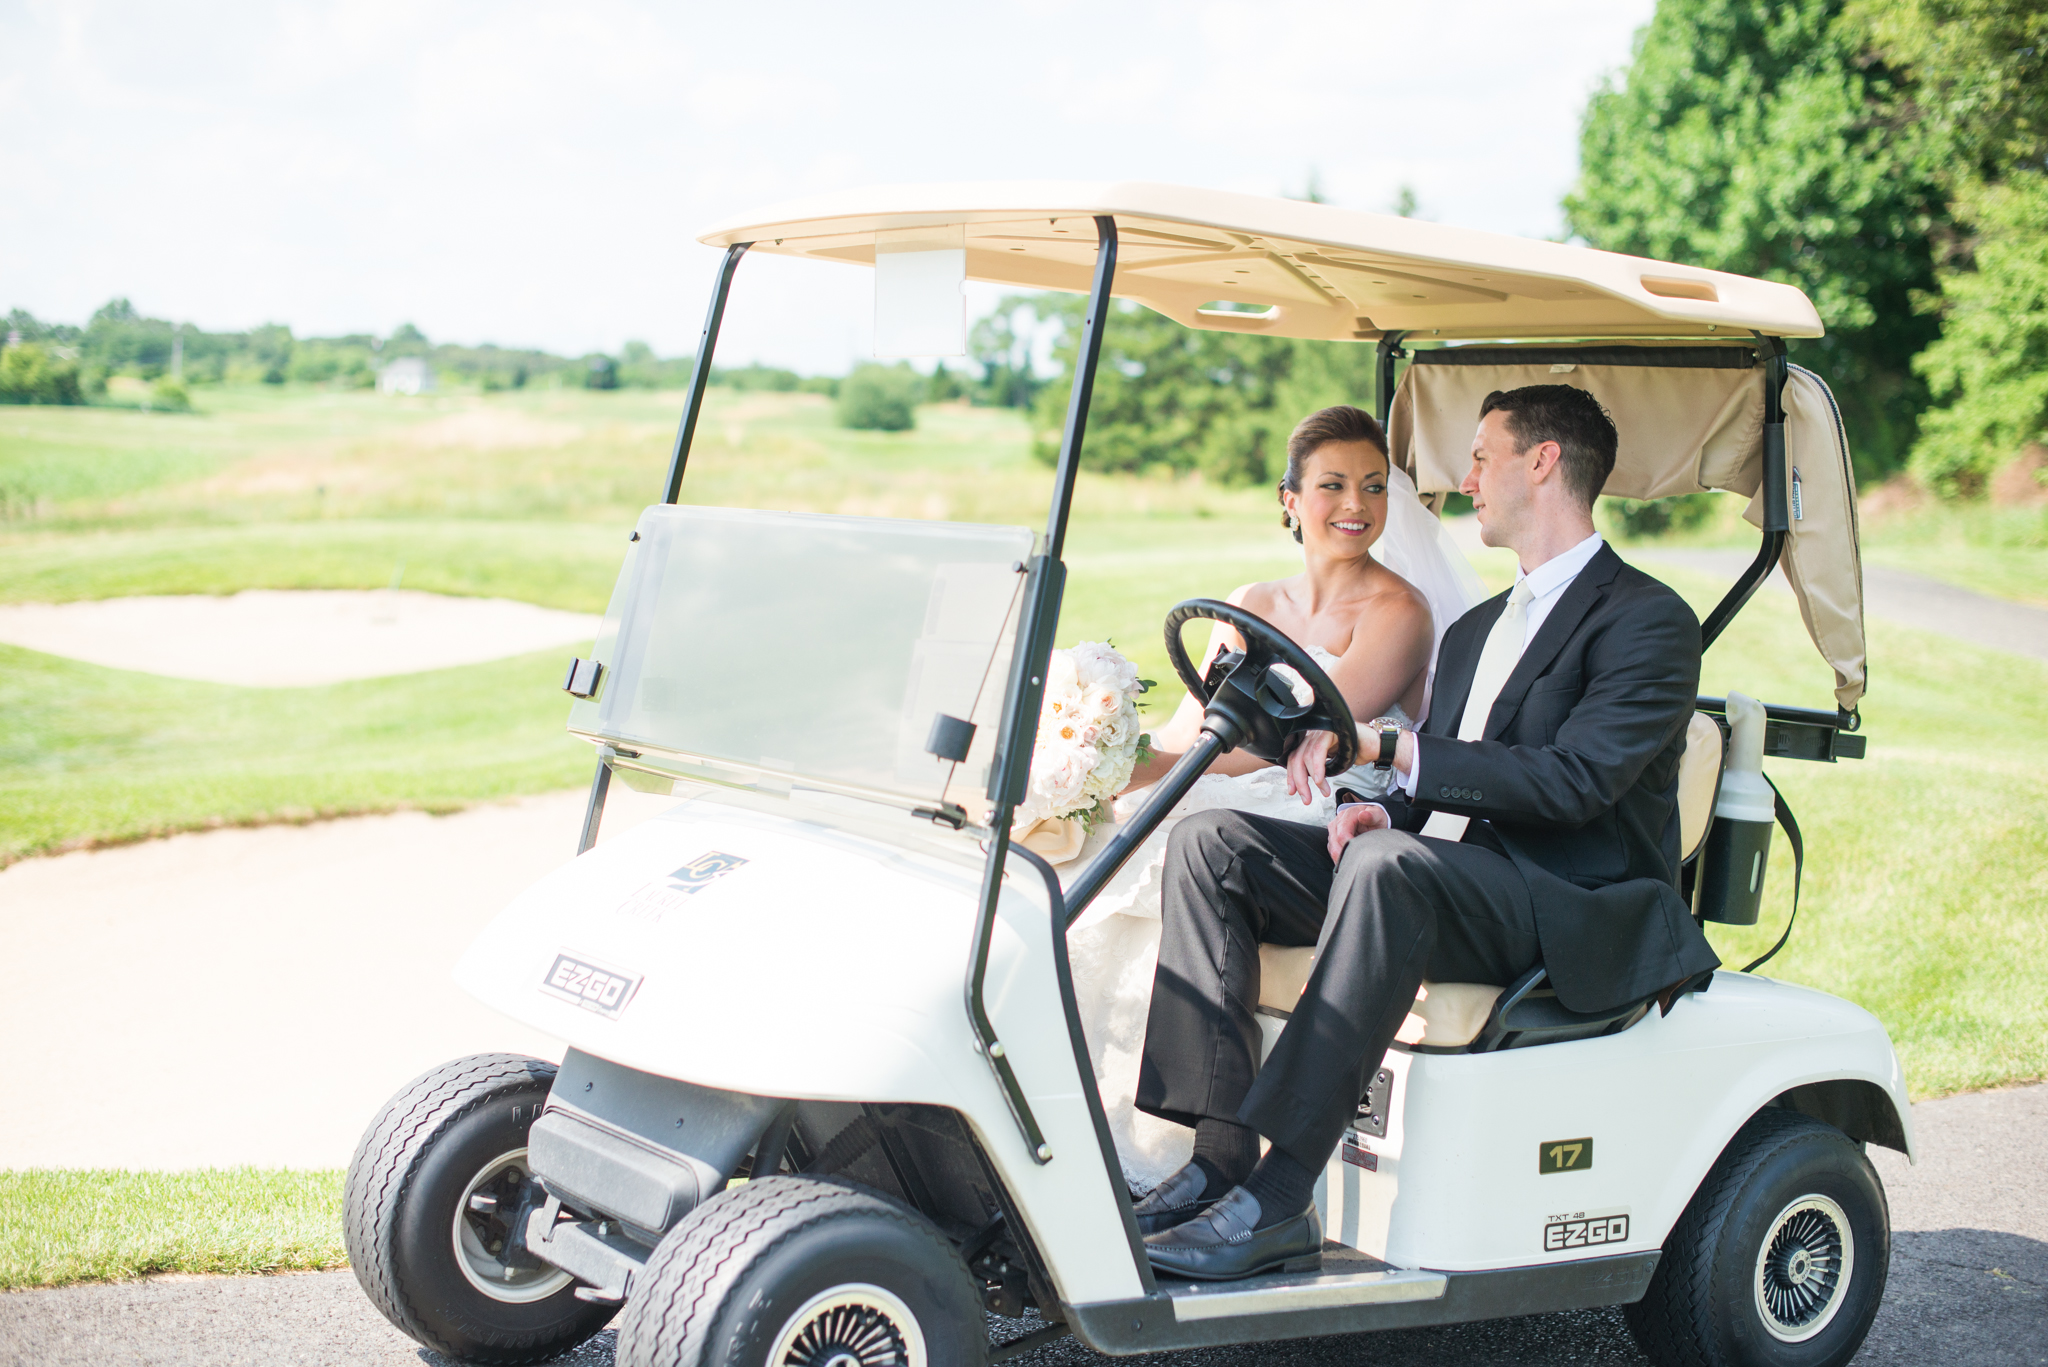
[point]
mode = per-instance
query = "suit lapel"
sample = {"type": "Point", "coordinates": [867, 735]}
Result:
{"type": "Point", "coordinates": [1579, 596]}
{"type": "Point", "coordinates": [1454, 675]}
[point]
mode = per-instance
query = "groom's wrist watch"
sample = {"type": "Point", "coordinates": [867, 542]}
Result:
{"type": "Point", "coordinates": [1390, 740]}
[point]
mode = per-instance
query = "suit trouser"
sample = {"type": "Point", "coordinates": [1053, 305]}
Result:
{"type": "Point", "coordinates": [1396, 909]}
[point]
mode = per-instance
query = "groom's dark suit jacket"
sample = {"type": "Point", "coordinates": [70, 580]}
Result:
{"type": "Point", "coordinates": [1576, 773]}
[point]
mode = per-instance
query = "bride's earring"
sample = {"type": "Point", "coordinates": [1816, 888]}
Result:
{"type": "Point", "coordinates": [1293, 522]}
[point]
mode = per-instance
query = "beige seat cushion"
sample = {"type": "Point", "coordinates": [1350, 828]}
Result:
{"type": "Point", "coordinates": [1445, 1015]}
{"type": "Point", "coordinates": [1699, 774]}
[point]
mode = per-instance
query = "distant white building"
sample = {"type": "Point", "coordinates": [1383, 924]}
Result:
{"type": "Point", "coordinates": [406, 375]}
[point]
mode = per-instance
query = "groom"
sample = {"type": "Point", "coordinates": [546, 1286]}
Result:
{"type": "Point", "coordinates": [1534, 820]}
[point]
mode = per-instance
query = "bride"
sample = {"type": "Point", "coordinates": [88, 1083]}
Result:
{"type": "Point", "coordinates": [1372, 623]}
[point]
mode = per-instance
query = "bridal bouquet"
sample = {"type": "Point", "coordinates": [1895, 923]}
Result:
{"type": "Point", "coordinates": [1088, 743]}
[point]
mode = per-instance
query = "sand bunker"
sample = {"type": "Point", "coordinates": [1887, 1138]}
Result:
{"type": "Point", "coordinates": [272, 638]}
{"type": "Point", "coordinates": [253, 996]}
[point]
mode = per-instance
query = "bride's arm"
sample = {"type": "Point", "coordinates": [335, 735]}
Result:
{"type": "Point", "coordinates": [1388, 654]}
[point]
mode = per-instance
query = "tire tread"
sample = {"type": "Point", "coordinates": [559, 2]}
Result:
{"type": "Point", "coordinates": [386, 1161]}
{"type": "Point", "coordinates": [1675, 1322]}
{"type": "Point", "coordinates": [694, 1272]}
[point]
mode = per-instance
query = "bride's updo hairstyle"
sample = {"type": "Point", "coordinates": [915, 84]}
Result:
{"type": "Point", "coordinates": [1318, 429]}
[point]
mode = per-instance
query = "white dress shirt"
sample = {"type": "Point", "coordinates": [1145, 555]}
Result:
{"type": "Point", "coordinates": [1547, 583]}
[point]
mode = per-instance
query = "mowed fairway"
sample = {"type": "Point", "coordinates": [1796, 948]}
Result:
{"type": "Point", "coordinates": [1926, 895]}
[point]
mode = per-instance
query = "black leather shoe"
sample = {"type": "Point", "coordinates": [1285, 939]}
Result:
{"type": "Point", "coordinates": [1175, 1201]}
{"type": "Point", "coordinates": [1224, 1243]}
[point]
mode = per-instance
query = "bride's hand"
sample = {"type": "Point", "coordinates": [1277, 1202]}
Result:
{"type": "Point", "coordinates": [1305, 766]}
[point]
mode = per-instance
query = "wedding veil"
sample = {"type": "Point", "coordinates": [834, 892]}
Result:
{"type": "Point", "coordinates": [1418, 547]}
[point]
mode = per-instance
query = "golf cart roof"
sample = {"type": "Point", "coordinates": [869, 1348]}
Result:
{"type": "Point", "coordinates": [1291, 268]}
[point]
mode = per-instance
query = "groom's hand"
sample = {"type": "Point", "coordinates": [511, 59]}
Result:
{"type": "Point", "coordinates": [1352, 819]}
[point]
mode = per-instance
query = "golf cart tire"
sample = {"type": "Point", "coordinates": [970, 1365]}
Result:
{"type": "Point", "coordinates": [727, 1285]}
{"type": "Point", "coordinates": [418, 1160]}
{"type": "Point", "coordinates": [1704, 1306]}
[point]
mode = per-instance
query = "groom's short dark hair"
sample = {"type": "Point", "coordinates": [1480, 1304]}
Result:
{"type": "Point", "coordinates": [1568, 416]}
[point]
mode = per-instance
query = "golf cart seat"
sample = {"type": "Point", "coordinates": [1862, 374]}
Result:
{"type": "Point", "coordinates": [1462, 1018]}
{"type": "Point", "coordinates": [1445, 1015]}
{"type": "Point", "coordinates": [1480, 1017]}
{"type": "Point", "coordinates": [1699, 782]}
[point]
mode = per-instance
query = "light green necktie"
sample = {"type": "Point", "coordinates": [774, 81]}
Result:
{"type": "Point", "coordinates": [1497, 660]}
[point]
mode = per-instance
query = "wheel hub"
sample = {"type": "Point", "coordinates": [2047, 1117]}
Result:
{"type": "Point", "coordinates": [483, 1230]}
{"type": "Point", "coordinates": [851, 1326]}
{"type": "Point", "coordinates": [1801, 1270]}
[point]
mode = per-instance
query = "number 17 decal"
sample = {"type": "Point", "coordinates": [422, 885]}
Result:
{"type": "Point", "coordinates": [1564, 1155]}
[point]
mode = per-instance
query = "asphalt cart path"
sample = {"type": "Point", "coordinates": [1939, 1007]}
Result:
{"type": "Point", "coordinates": [1969, 1285]}
{"type": "Point", "coordinates": [1899, 596]}
{"type": "Point", "coordinates": [1895, 595]}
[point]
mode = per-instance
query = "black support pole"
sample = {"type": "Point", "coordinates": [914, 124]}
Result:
{"type": "Point", "coordinates": [1040, 617]}
{"type": "Point", "coordinates": [1084, 386]}
{"type": "Point", "coordinates": [700, 373]}
{"type": "Point", "coordinates": [1776, 492]}
{"type": "Point", "coordinates": [1383, 378]}
{"type": "Point", "coordinates": [593, 811]}
{"type": "Point", "coordinates": [1165, 794]}
{"type": "Point", "coordinates": [686, 431]}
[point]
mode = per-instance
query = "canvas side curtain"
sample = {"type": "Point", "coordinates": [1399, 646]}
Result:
{"type": "Point", "coordinates": [1690, 419]}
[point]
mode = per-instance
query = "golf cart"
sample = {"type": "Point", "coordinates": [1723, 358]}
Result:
{"type": "Point", "coordinates": [830, 972]}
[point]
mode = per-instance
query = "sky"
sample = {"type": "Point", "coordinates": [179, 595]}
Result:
{"type": "Point", "coordinates": [534, 174]}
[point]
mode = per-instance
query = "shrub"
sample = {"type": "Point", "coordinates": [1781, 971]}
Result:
{"type": "Point", "coordinates": [880, 398]}
{"type": "Point", "coordinates": [30, 374]}
{"type": "Point", "coordinates": [169, 396]}
{"type": "Point", "coordinates": [1638, 520]}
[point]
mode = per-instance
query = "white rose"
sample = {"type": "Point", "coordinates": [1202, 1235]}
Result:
{"type": "Point", "coordinates": [1119, 732]}
{"type": "Point", "coordinates": [1103, 665]}
{"type": "Point", "coordinates": [1112, 774]}
{"type": "Point", "coordinates": [1060, 774]}
{"type": "Point", "coordinates": [1062, 673]}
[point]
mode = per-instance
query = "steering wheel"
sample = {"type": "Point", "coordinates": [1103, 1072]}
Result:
{"type": "Point", "coordinates": [1248, 705]}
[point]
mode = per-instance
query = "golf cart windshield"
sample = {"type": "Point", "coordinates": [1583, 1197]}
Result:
{"type": "Point", "coordinates": [780, 650]}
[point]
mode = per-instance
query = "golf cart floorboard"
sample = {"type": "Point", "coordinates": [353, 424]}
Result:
{"type": "Point", "coordinates": [1353, 1293]}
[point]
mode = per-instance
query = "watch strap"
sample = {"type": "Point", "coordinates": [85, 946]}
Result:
{"type": "Point", "coordinates": [1390, 743]}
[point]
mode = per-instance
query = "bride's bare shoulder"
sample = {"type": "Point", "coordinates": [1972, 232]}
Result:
{"type": "Point", "coordinates": [1253, 597]}
{"type": "Point", "coordinates": [1394, 599]}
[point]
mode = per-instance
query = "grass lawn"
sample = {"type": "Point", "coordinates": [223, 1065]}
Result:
{"type": "Point", "coordinates": [96, 756]}
{"type": "Point", "coordinates": [1926, 898]}
{"type": "Point", "coordinates": [2001, 551]}
{"type": "Point", "coordinates": [71, 1226]}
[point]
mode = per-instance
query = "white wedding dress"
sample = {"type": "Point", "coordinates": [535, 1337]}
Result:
{"type": "Point", "coordinates": [1114, 947]}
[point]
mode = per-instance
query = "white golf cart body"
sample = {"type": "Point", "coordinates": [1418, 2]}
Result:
{"type": "Point", "coordinates": [808, 927]}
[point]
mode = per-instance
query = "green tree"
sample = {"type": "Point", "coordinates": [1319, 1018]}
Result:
{"type": "Point", "coordinates": [943, 386]}
{"type": "Point", "coordinates": [406, 340]}
{"type": "Point", "coordinates": [1980, 97]}
{"type": "Point", "coordinates": [271, 345]}
{"type": "Point", "coordinates": [880, 398]}
{"type": "Point", "coordinates": [29, 373]}
{"type": "Point", "coordinates": [1991, 364]}
{"type": "Point", "coordinates": [1000, 343]}
{"type": "Point", "coordinates": [1979, 72]}
{"type": "Point", "coordinates": [1222, 403]}
{"type": "Point", "coordinates": [1754, 136]}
